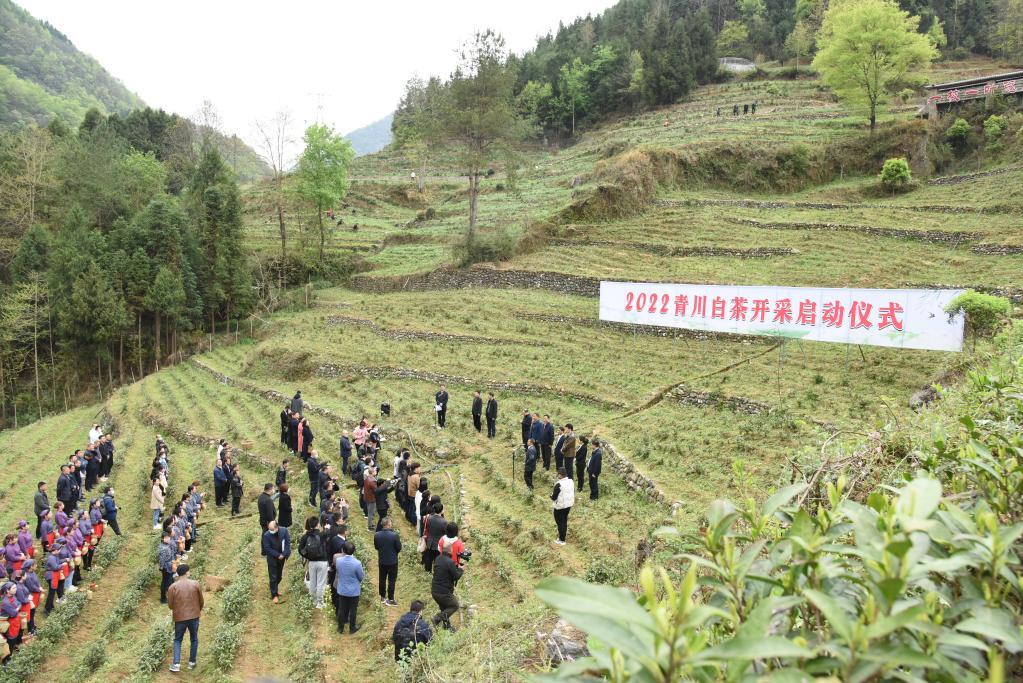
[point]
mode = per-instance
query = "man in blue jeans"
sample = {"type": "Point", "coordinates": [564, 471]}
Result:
{"type": "Point", "coordinates": [185, 601]}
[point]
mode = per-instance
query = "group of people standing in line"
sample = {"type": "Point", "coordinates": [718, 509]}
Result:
{"type": "Point", "coordinates": [68, 531]}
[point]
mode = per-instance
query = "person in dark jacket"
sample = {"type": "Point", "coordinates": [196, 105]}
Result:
{"type": "Point", "coordinates": [285, 420]}
{"type": "Point", "coordinates": [410, 630]}
{"type": "Point", "coordinates": [66, 490]}
{"type": "Point", "coordinates": [293, 426]}
{"type": "Point", "coordinates": [491, 415]}
{"type": "Point", "coordinates": [383, 487]}
{"type": "Point", "coordinates": [580, 460]}
{"type": "Point", "coordinates": [324, 481]}
{"type": "Point", "coordinates": [536, 431]}
{"type": "Point", "coordinates": [446, 574]}
{"type": "Point", "coordinates": [530, 464]}
{"type": "Point", "coordinates": [277, 548]}
{"type": "Point", "coordinates": [221, 483]}
{"type": "Point", "coordinates": [388, 545]}
{"type": "Point", "coordinates": [265, 504]}
{"type": "Point", "coordinates": [237, 490]}
{"type": "Point", "coordinates": [297, 404]}
{"type": "Point", "coordinates": [312, 466]}
{"type": "Point", "coordinates": [547, 441]}
{"type": "Point", "coordinates": [345, 447]}
{"type": "Point", "coordinates": [434, 529]}
{"type": "Point", "coordinates": [593, 469]}
{"type": "Point", "coordinates": [110, 508]}
{"type": "Point", "coordinates": [558, 458]}
{"type": "Point", "coordinates": [284, 508]}
{"type": "Point", "coordinates": [40, 503]}
{"type": "Point", "coordinates": [307, 439]}
{"type": "Point", "coordinates": [441, 401]}
{"type": "Point", "coordinates": [282, 474]}
{"type": "Point", "coordinates": [527, 423]}
{"type": "Point", "coordinates": [477, 411]}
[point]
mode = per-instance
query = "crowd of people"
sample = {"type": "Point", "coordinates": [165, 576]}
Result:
{"type": "Point", "coordinates": [68, 531]}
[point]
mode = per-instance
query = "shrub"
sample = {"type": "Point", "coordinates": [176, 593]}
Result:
{"type": "Point", "coordinates": [906, 94]}
{"type": "Point", "coordinates": [994, 127]}
{"type": "Point", "coordinates": [984, 312]}
{"type": "Point", "coordinates": [958, 132]}
{"type": "Point", "coordinates": [225, 644]}
{"type": "Point", "coordinates": [492, 246]}
{"type": "Point", "coordinates": [895, 174]}
{"type": "Point", "coordinates": [154, 648]}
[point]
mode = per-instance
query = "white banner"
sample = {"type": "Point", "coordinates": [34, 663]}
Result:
{"type": "Point", "coordinates": [904, 318]}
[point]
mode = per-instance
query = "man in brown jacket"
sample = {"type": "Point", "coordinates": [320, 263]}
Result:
{"type": "Point", "coordinates": [569, 446]}
{"type": "Point", "coordinates": [185, 601]}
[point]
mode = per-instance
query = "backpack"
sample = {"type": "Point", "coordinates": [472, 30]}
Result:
{"type": "Point", "coordinates": [313, 548]}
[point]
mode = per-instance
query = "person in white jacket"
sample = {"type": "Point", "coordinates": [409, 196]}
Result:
{"type": "Point", "coordinates": [564, 499]}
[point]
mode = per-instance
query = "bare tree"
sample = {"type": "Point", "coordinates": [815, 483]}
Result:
{"type": "Point", "coordinates": [33, 153]}
{"type": "Point", "coordinates": [275, 136]}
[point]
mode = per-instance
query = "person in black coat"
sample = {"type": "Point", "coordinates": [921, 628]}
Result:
{"type": "Point", "coordinates": [580, 460]}
{"type": "Point", "coordinates": [441, 399]}
{"type": "Point", "coordinates": [285, 420]}
{"type": "Point", "coordinates": [383, 487]}
{"type": "Point", "coordinates": [446, 574]}
{"type": "Point", "coordinates": [265, 504]}
{"type": "Point", "coordinates": [491, 415]}
{"type": "Point", "coordinates": [593, 469]}
{"type": "Point", "coordinates": [307, 439]}
{"type": "Point", "coordinates": [312, 466]}
{"type": "Point", "coordinates": [477, 411]}
{"type": "Point", "coordinates": [527, 423]}
{"type": "Point", "coordinates": [293, 427]}
{"type": "Point", "coordinates": [546, 441]}
{"type": "Point", "coordinates": [388, 545]}
{"type": "Point", "coordinates": [530, 463]}
{"type": "Point", "coordinates": [284, 508]}
{"type": "Point", "coordinates": [345, 446]}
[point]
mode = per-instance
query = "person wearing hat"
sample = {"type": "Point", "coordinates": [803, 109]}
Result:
{"type": "Point", "coordinates": [165, 554]}
{"type": "Point", "coordinates": [25, 541]}
{"type": "Point", "coordinates": [35, 591]}
{"type": "Point", "coordinates": [96, 518]}
{"type": "Point", "coordinates": [46, 529]}
{"type": "Point", "coordinates": [10, 612]}
{"type": "Point", "coordinates": [24, 596]}
{"type": "Point", "coordinates": [185, 601]}
{"type": "Point", "coordinates": [54, 573]}
{"type": "Point", "coordinates": [12, 552]}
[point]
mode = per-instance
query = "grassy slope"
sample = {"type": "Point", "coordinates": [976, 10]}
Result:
{"type": "Point", "coordinates": [694, 453]}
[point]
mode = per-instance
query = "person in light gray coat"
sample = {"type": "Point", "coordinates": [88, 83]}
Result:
{"type": "Point", "coordinates": [297, 404]}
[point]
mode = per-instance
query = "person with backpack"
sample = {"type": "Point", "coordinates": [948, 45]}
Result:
{"type": "Point", "coordinates": [410, 630]}
{"type": "Point", "coordinates": [312, 548]}
{"type": "Point", "coordinates": [388, 545]}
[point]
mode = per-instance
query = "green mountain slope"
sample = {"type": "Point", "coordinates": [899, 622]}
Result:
{"type": "Point", "coordinates": [43, 74]}
{"type": "Point", "coordinates": [372, 138]}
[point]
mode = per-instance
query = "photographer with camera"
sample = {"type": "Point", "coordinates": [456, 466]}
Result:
{"type": "Point", "coordinates": [446, 574]}
{"type": "Point", "coordinates": [383, 487]}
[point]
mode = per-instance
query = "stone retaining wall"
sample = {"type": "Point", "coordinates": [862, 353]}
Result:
{"type": "Point", "coordinates": [654, 330]}
{"type": "Point", "coordinates": [416, 335]}
{"type": "Point", "coordinates": [956, 179]}
{"type": "Point", "coordinates": [930, 236]}
{"type": "Point", "coordinates": [480, 278]}
{"type": "Point", "coordinates": [335, 371]}
{"type": "Point", "coordinates": [681, 252]}
{"type": "Point", "coordinates": [202, 441]}
{"type": "Point", "coordinates": [988, 249]}
{"type": "Point", "coordinates": [828, 206]}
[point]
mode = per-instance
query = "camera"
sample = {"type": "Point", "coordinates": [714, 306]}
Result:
{"type": "Point", "coordinates": [465, 555]}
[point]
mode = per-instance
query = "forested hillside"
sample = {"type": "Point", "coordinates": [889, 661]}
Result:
{"type": "Point", "coordinates": [42, 74]}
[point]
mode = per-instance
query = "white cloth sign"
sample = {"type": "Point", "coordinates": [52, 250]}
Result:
{"type": "Point", "coordinates": [904, 318]}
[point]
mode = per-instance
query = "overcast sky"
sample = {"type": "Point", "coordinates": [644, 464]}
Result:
{"type": "Point", "coordinates": [344, 63]}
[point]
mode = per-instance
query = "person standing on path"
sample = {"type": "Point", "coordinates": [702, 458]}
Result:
{"type": "Point", "coordinates": [580, 461]}
{"type": "Point", "coordinates": [40, 502]}
{"type": "Point", "coordinates": [313, 548]}
{"type": "Point", "coordinates": [491, 415]}
{"type": "Point", "coordinates": [569, 445]}
{"type": "Point", "coordinates": [369, 496]}
{"type": "Point", "coordinates": [265, 505]}
{"type": "Point", "coordinates": [237, 490]}
{"type": "Point", "coordinates": [284, 508]}
{"type": "Point", "coordinates": [527, 424]}
{"type": "Point", "coordinates": [312, 467]}
{"type": "Point", "coordinates": [186, 602]}
{"type": "Point", "coordinates": [297, 404]}
{"type": "Point", "coordinates": [277, 548]}
{"type": "Point", "coordinates": [388, 545]}
{"type": "Point", "coordinates": [285, 419]}
{"type": "Point", "coordinates": [564, 498]}
{"type": "Point", "coordinates": [345, 447]}
{"type": "Point", "coordinates": [165, 556]}
{"type": "Point", "coordinates": [593, 469]}
{"type": "Point", "coordinates": [348, 586]}
{"type": "Point", "coordinates": [441, 406]}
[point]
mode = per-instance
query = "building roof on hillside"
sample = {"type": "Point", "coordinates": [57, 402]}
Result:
{"type": "Point", "coordinates": [979, 80]}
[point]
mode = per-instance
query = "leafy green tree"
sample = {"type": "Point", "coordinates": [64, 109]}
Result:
{"type": "Point", "coordinates": [800, 41]}
{"type": "Point", "coordinates": [96, 315]}
{"type": "Point", "coordinates": [667, 68]}
{"type": "Point", "coordinates": [141, 177]}
{"type": "Point", "coordinates": [323, 171]}
{"type": "Point", "coordinates": [33, 253]}
{"type": "Point", "coordinates": [895, 174]}
{"type": "Point", "coordinates": [702, 48]}
{"type": "Point", "coordinates": [417, 121]}
{"type": "Point", "coordinates": [575, 88]}
{"type": "Point", "coordinates": [28, 176]}
{"type": "Point", "coordinates": [733, 40]}
{"type": "Point", "coordinates": [866, 48]}
{"type": "Point", "coordinates": [1008, 30]}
